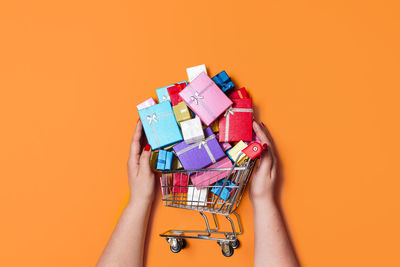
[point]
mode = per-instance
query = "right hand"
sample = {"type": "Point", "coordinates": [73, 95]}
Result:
{"type": "Point", "coordinates": [265, 176]}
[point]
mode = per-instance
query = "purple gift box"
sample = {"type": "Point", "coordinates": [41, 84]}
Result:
{"type": "Point", "coordinates": [200, 154]}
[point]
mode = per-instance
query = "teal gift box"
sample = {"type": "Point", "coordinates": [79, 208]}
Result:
{"type": "Point", "coordinates": [162, 93]}
{"type": "Point", "coordinates": [164, 160]}
{"type": "Point", "coordinates": [160, 125]}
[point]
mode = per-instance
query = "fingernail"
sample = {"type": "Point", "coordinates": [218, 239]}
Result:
{"type": "Point", "coordinates": [147, 147]}
{"type": "Point", "coordinates": [263, 125]}
{"type": "Point", "coordinates": [265, 147]}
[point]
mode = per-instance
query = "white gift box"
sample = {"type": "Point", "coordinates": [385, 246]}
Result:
{"type": "Point", "coordinates": [192, 130]}
{"type": "Point", "coordinates": [193, 72]}
{"type": "Point", "coordinates": [197, 197]}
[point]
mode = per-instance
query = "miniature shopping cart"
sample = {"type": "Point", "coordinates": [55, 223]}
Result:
{"type": "Point", "coordinates": [216, 197]}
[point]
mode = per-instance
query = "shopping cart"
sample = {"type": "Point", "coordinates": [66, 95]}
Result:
{"type": "Point", "coordinates": [221, 197]}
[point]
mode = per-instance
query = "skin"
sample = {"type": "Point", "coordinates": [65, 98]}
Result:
{"type": "Point", "coordinates": [272, 244]}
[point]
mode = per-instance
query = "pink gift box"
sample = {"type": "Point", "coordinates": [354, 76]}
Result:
{"type": "Point", "coordinates": [201, 179]}
{"type": "Point", "coordinates": [225, 145]}
{"type": "Point", "coordinates": [205, 98]}
{"type": "Point", "coordinates": [147, 103]}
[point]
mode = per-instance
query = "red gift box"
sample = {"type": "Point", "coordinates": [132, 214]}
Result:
{"type": "Point", "coordinates": [237, 122]}
{"type": "Point", "coordinates": [180, 182]}
{"type": "Point", "coordinates": [240, 93]}
{"type": "Point", "coordinates": [173, 92]}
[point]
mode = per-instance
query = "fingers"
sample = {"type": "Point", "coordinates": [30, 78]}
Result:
{"type": "Point", "coordinates": [261, 134]}
{"type": "Point", "coordinates": [145, 158]}
{"type": "Point", "coordinates": [135, 145]}
{"type": "Point", "coordinates": [268, 158]}
{"type": "Point", "coordinates": [271, 140]}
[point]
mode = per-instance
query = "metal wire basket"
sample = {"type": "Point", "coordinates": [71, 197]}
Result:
{"type": "Point", "coordinates": [220, 192]}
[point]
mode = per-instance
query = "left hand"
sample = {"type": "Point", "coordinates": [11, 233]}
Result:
{"type": "Point", "coordinates": [141, 178]}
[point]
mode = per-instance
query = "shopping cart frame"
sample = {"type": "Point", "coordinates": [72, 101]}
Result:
{"type": "Point", "coordinates": [216, 205]}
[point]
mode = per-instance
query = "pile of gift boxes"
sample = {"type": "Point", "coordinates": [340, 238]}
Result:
{"type": "Point", "coordinates": [205, 123]}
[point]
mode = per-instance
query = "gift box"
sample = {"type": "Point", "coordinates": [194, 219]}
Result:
{"type": "Point", "coordinates": [240, 93]}
{"type": "Point", "coordinates": [204, 97]}
{"type": "Point", "coordinates": [160, 125]}
{"type": "Point", "coordinates": [215, 126]}
{"type": "Point", "coordinates": [207, 178]}
{"type": "Point", "coordinates": [180, 183]}
{"type": "Point", "coordinates": [164, 160]}
{"type": "Point", "coordinates": [254, 139]}
{"type": "Point", "coordinates": [201, 154]}
{"type": "Point", "coordinates": [193, 72]}
{"type": "Point", "coordinates": [192, 131]}
{"type": "Point", "coordinates": [153, 160]}
{"type": "Point", "coordinates": [174, 91]}
{"type": "Point", "coordinates": [165, 179]}
{"type": "Point", "coordinates": [223, 81]}
{"type": "Point", "coordinates": [237, 122]}
{"type": "Point", "coordinates": [176, 164]}
{"type": "Point", "coordinates": [162, 93]}
{"type": "Point", "coordinates": [226, 192]}
{"type": "Point", "coordinates": [147, 103]}
{"type": "Point", "coordinates": [181, 112]}
{"type": "Point", "coordinates": [224, 145]}
{"type": "Point", "coordinates": [234, 152]}
{"type": "Point", "coordinates": [197, 197]}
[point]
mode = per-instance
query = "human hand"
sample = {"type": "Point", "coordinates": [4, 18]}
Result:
{"type": "Point", "coordinates": [141, 178]}
{"type": "Point", "coordinates": [265, 175]}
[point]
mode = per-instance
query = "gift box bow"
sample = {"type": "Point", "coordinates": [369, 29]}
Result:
{"type": "Point", "coordinates": [200, 144]}
{"type": "Point", "coordinates": [231, 111]}
{"type": "Point", "coordinates": [198, 98]}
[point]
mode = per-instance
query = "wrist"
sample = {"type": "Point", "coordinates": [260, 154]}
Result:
{"type": "Point", "coordinates": [139, 202]}
{"type": "Point", "coordinates": [264, 201]}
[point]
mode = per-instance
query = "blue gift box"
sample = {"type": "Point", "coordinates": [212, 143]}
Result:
{"type": "Point", "coordinates": [162, 93]}
{"type": "Point", "coordinates": [160, 125]}
{"type": "Point", "coordinates": [223, 81]}
{"type": "Point", "coordinates": [226, 192]}
{"type": "Point", "coordinates": [164, 160]}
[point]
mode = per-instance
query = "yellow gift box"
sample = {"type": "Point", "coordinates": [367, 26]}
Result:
{"type": "Point", "coordinates": [214, 126]}
{"type": "Point", "coordinates": [233, 153]}
{"type": "Point", "coordinates": [153, 160]}
{"type": "Point", "coordinates": [176, 164]}
{"type": "Point", "coordinates": [181, 112]}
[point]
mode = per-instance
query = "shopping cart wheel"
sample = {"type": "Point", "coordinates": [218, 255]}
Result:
{"type": "Point", "coordinates": [183, 243]}
{"type": "Point", "coordinates": [235, 244]}
{"type": "Point", "coordinates": [227, 249]}
{"type": "Point", "coordinates": [176, 244]}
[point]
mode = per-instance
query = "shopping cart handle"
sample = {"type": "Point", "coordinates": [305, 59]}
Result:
{"type": "Point", "coordinates": [253, 150]}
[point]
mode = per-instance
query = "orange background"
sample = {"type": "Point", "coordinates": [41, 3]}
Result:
{"type": "Point", "coordinates": [323, 74]}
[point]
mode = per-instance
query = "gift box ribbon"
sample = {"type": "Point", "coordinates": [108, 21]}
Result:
{"type": "Point", "coordinates": [231, 111]}
{"type": "Point", "coordinates": [153, 118]}
{"type": "Point", "coordinates": [198, 98]}
{"type": "Point", "coordinates": [199, 145]}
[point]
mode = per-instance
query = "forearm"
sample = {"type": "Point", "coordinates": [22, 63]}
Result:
{"type": "Point", "coordinates": [125, 247]}
{"type": "Point", "coordinates": [272, 246]}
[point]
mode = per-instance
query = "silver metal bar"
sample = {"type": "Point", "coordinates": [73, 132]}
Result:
{"type": "Point", "coordinates": [232, 225]}
{"type": "Point", "coordinates": [206, 221]}
{"type": "Point", "coordinates": [226, 179]}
